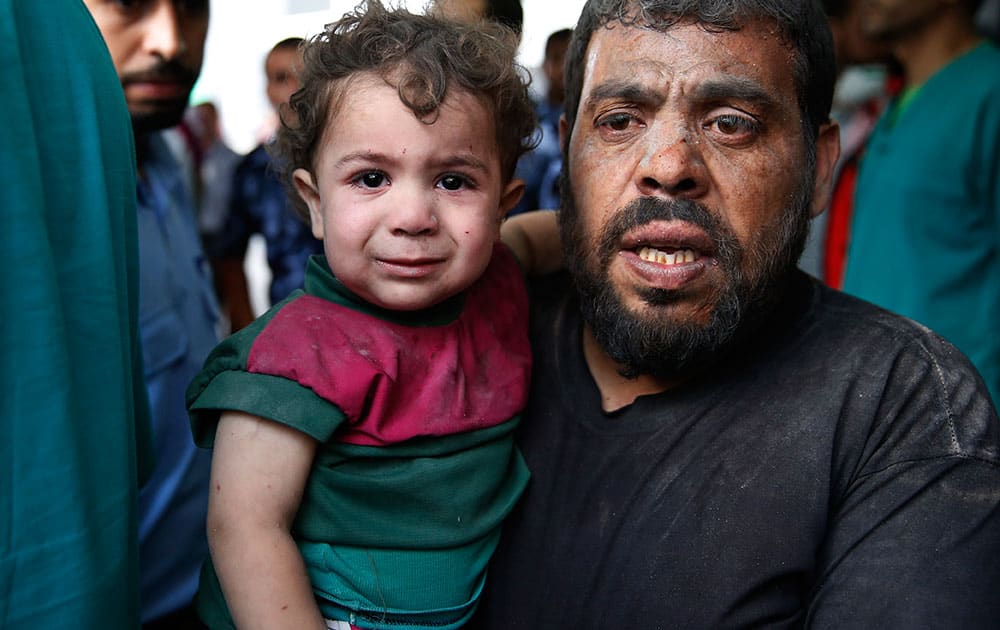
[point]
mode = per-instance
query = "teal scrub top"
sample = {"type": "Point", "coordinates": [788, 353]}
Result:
{"type": "Point", "coordinates": [925, 235]}
{"type": "Point", "coordinates": [74, 425]}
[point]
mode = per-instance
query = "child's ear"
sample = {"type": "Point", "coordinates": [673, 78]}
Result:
{"type": "Point", "coordinates": [306, 187]}
{"type": "Point", "coordinates": [510, 195]}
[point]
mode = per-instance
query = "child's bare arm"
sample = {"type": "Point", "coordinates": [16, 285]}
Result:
{"type": "Point", "coordinates": [259, 471]}
{"type": "Point", "coordinates": [534, 239]}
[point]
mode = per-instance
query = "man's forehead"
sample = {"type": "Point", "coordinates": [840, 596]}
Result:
{"type": "Point", "coordinates": [689, 54]}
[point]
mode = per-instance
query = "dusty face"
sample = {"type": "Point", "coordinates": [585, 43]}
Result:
{"type": "Point", "coordinates": [408, 212]}
{"type": "Point", "coordinates": [282, 68]}
{"type": "Point", "coordinates": [689, 177]}
{"type": "Point", "coordinates": [888, 20]}
{"type": "Point", "coordinates": [157, 47]}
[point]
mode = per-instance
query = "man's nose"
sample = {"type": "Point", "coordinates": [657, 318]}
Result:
{"type": "Point", "coordinates": [164, 36]}
{"type": "Point", "coordinates": [672, 163]}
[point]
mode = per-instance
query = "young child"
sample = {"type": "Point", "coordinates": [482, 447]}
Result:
{"type": "Point", "coordinates": [362, 428]}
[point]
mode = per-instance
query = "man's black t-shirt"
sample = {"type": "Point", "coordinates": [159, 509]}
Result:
{"type": "Point", "coordinates": [840, 470]}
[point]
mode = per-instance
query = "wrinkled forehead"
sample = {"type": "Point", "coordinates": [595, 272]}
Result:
{"type": "Point", "coordinates": [686, 58]}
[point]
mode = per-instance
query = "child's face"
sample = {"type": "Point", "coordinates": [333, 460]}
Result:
{"type": "Point", "coordinates": [408, 212]}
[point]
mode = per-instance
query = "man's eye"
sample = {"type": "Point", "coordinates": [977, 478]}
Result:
{"type": "Point", "coordinates": [734, 125]}
{"type": "Point", "coordinates": [616, 122]}
{"type": "Point", "coordinates": [370, 179]}
{"type": "Point", "coordinates": [453, 182]}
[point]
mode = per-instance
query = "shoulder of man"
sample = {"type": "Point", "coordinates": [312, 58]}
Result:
{"type": "Point", "coordinates": [906, 377]}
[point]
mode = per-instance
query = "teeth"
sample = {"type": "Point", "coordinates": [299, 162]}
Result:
{"type": "Point", "coordinates": [663, 258]}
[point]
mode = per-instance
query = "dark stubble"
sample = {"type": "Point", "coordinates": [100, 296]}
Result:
{"type": "Point", "coordinates": [665, 347]}
{"type": "Point", "coordinates": [156, 115]}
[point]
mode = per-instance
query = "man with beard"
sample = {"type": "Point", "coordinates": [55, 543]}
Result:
{"type": "Point", "coordinates": [715, 439]}
{"type": "Point", "coordinates": [156, 47]}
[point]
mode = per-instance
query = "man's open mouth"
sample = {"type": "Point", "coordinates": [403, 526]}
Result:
{"type": "Point", "coordinates": [668, 256]}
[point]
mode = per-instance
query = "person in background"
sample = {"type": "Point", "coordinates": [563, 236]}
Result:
{"type": "Point", "coordinates": [505, 12]}
{"type": "Point", "coordinates": [216, 166]}
{"type": "Point", "coordinates": [540, 168]}
{"type": "Point", "coordinates": [866, 78]}
{"type": "Point", "coordinates": [363, 429]}
{"type": "Point", "coordinates": [925, 232]}
{"type": "Point", "coordinates": [156, 47]}
{"type": "Point", "coordinates": [259, 205]}
{"type": "Point", "coordinates": [74, 420]}
{"type": "Point", "coordinates": [716, 439]}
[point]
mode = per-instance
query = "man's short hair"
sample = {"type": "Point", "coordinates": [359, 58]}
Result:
{"type": "Point", "coordinates": [425, 58]}
{"type": "Point", "coordinates": [803, 26]}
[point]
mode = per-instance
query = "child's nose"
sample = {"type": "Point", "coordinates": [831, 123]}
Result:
{"type": "Point", "coordinates": [414, 216]}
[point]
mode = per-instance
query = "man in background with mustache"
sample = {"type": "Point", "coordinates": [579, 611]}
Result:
{"type": "Point", "coordinates": [157, 47]}
{"type": "Point", "coordinates": [715, 439]}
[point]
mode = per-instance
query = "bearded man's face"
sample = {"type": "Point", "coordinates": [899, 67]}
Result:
{"type": "Point", "coordinates": [688, 187]}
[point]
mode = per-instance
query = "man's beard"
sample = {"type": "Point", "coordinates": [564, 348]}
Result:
{"type": "Point", "coordinates": [152, 116]}
{"type": "Point", "coordinates": [664, 347]}
{"type": "Point", "coordinates": [162, 117]}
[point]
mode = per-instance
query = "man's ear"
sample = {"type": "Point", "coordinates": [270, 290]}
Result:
{"type": "Point", "coordinates": [306, 187]}
{"type": "Point", "coordinates": [827, 153]}
{"type": "Point", "coordinates": [510, 195]}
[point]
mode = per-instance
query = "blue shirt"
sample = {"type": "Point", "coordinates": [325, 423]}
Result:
{"type": "Point", "coordinates": [260, 205]}
{"type": "Point", "coordinates": [540, 168]}
{"type": "Point", "coordinates": [177, 322]}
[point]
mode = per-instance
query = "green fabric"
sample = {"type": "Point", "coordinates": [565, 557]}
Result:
{"type": "Point", "coordinates": [74, 425]}
{"type": "Point", "coordinates": [405, 530]}
{"type": "Point", "coordinates": [900, 104]}
{"type": "Point", "coordinates": [925, 236]}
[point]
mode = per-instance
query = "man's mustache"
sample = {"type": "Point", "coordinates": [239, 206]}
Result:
{"type": "Point", "coordinates": [165, 71]}
{"type": "Point", "coordinates": [648, 209]}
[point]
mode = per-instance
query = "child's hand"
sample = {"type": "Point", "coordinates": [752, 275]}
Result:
{"type": "Point", "coordinates": [533, 237]}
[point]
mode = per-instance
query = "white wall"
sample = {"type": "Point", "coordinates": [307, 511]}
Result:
{"type": "Point", "coordinates": [242, 31]}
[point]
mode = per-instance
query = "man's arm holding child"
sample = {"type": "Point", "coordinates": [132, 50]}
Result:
{"type": "Point", "coordinates": [533, 237]}
{"type": "Point", "coordinates": [259, 471]}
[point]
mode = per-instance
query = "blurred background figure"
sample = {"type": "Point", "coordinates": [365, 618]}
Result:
{"type": "Point", "coordinates": [988, 19]}
{"type": "Point", "coordinates": [157, 47]}
{"type": "Point", "coordinates": [74, 425]}
{"type": "Point", "coordinates": [259, 205]}
{"type": "Point", "coordinates": [868, 77]}
{"type": "Point", "coordinates": [216, 165]}
{"type": "Point", "coordinates": [506, 12]}
{"type": "Point", "coordinates": [925, 232]}
{"type": "Point", "coordinates": [540, 168]}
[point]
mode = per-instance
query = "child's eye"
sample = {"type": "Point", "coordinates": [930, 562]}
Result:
{"type": "Point", "coordinates": [454, 182]}
{"type": "Point", "coordinates": [370, 179]}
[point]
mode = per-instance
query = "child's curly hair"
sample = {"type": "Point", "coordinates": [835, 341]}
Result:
{"type": "Point", "coordinates": [423, 57]}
